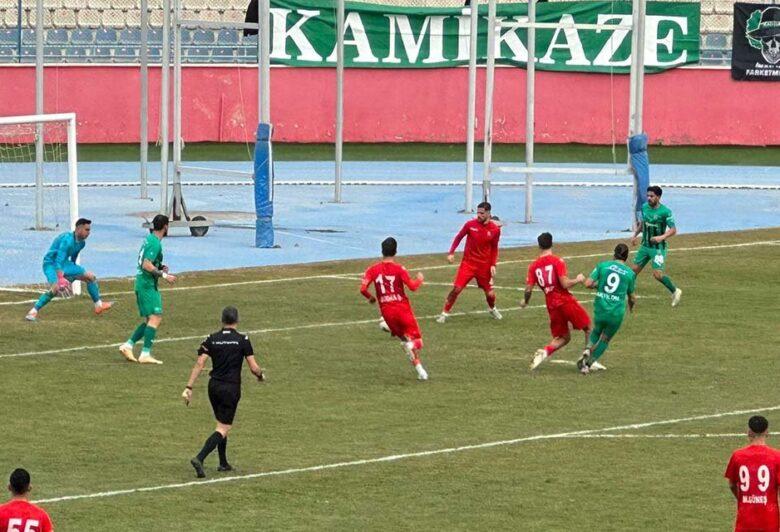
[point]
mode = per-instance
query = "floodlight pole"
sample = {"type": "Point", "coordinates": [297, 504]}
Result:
{"type": "Point", "coordinates": [530, 106]}
{"type": "Point", "coordinates": [264, 60]}
{"type": "Point", "coordinates": [489, 82]}
{"type": "Point", "coordinates": [39, 140]}
{"type": "Point", "coordinates": [340, 14]}
{"type": "Point", "coordinates": [472, 104]}
{"type": "Point", "coordinates": [165, 89]}
{"type": "Point", "coordinates": [637, 81]}
{"type": "Point", "coordinates": [144, 133]}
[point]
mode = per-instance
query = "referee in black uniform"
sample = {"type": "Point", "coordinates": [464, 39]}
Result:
{"type": "Point", "coordinates": [227, 349]}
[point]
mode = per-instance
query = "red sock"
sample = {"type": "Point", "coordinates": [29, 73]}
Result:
{"type": "Point", "coordinates": [416, 361]}
{"type": "Point", "coordinates": [449, 303]}
{"type": "Point", "coordinates": [491, 299]}
{"type": "Point", "coordinates": [550, 349]}
{"type": "Point", "coordinates": [417, 344]}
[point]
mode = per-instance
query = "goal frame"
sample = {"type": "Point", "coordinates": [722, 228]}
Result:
{"type": "Point", "coordinates": [73, 192]}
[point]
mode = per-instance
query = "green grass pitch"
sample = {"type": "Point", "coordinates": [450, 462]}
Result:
{"type": "Point", "coordinates": [84, 421]}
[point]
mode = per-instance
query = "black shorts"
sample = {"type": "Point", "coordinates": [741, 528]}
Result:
{"type": "Point", "coordinates": [224, 397]}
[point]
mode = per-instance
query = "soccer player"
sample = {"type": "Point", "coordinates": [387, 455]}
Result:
{"type": "Point", "coordinates": [549, 273]}
{"type": "Point", "coordinates": [227, 349]}
{"type": "Point", "coordinates": [19, 514]}
{"type": "Point", "coordinates": [389, 279]}
{"type": "Point", "coordinates": [479, 260]}
{"type": "Point", "coordinates": [752, 474]}
{"type": "Point", "coordinates": [147, 296]}
{"type": "Point", "coordinates": [60, 269]}
{"type": "Point", "coordinates": [615, 282]}
{"type": "Point", "coordinates": [656, 227]}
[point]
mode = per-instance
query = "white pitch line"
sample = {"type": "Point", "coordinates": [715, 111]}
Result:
{"type": "Point", "coordinates": [404, 456]}
{"type": "Point", "coordinates": [422, 268]}
{"type": "Point", "coordinates": [257, 331]}
{"type": "Point", "coordinates": [660, 436]}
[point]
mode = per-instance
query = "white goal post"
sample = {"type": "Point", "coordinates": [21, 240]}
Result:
{"type": "Point", "coordinates": [18, 134]}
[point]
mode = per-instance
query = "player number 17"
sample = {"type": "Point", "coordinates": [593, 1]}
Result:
{"type": "Point", "coordinates": [380, 281]}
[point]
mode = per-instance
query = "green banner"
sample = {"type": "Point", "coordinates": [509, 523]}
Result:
{"type": "Point", "coordinates": [380, 36]}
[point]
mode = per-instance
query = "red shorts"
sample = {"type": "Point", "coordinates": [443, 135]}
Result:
{"type": "Point", "coordinates": [467, 272]}
{"type": "Point", "coordinates": [402, 323]}
{"type": "Point", "coordinates": [570, 312]}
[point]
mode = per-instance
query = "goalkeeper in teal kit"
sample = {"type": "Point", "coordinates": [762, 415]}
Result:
{"type": "Point", "coordinates": [60, 269]}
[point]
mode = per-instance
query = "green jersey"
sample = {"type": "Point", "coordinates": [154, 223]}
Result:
{"type": "Point", "coordinates": [655, 222]}
{"type": "Point", "coordinates": [152, 250]}
{"type": "Point", "coordinates": [615, 280]}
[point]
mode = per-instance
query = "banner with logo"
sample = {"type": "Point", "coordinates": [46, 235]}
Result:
{"type": "Point", "coordinates": [755, 54]}
{"type": "Point", "coordinates": [380, 36]}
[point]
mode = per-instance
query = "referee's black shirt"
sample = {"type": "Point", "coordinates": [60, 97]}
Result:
{"type": "Point", "coordinates": [227, 349]}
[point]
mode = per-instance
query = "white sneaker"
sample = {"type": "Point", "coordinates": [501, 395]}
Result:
{"type": "Point", "coordinates": [127, 352]}
{"type": "Point", "coordinates": [383, 325]}
{"type": "Point", "coordinates": [676, 297]}
{"type": "Point", "coordinates": [148, 359]}
{"type": "Point", "coordinates": [597, 366]}
{"type": "Point", "coordinates": [539, 357]}
{"type": "Point", "coordinates": [422, 375]}
{"type": "Point", "coordinates": [32, 315]}
{"type": "Point", "coordinates": [441, 318]}
{"type": "Point", "coordinates": [495, 313]}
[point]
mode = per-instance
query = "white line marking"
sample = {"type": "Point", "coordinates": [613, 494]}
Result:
{"type": "Point", "coordinates": [404, 456]}
{"type": "Point", "coordinates": [257, 331]}
{"type": "Point", "coordinates": [422, 268]}
{"type": "Point", "coordinates": [660, 436]}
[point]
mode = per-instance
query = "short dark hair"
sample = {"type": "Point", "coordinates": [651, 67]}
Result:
{"type": "Point", "coordinates": [19, 481]}
{"type": "Point", "coordinates": [621, 252]}
{"type": "Point", "coordinates": [230, 315]}
{"type": "Point", "coordinates": [545, 240]}
{"type": "Point", "coordinates": [389, 247]}
{"type": "Point", "coordinates": [159, 221]}
{"type": "Point", "coordinates": [82, 221]}
{"type": "Point", "coordinates": [484, 205]}
{"type": "Point", "coordinates": [655, 189]}
{"type": "Point", "coordinates": [758, 424]}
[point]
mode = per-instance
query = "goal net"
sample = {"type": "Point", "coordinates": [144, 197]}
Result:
{"type": "Point", "coordinates": [38, 172]}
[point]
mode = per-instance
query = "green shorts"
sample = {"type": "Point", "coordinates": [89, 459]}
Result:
{"type": "Point", "coordinates": [655, 256]}
{"type": "Point", "coordinates": [149, 302]}
{"type": "Point", "coordinates": [608, 325]}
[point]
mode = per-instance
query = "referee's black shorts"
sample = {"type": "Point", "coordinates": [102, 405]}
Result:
{"type": "Point", "coordinates": [224, 397]}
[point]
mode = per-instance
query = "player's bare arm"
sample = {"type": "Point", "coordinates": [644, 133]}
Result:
{"type": "Point", "coordinates": [631, 302]}
{"type": "Point", "coordinates": [151, 268]}
{"type": "Point", "coordinates": [529, 289]}
{"type": "Point", "coordinates": [567, 283]}
{"type": "Point", "coordinates": [200, 363]}
{"type": "Point", "coordinates": [590, 283]}
{"type": "Point", "coordinates": [669, 233]}
{"type": "Point", "coordinates": [451, 258]}
{"type": "Point", "coordinates": [255, 368]}
{"type": "Point", "coordinates": [637, 232]}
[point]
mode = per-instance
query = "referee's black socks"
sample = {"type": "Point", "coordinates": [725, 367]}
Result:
{"type": "Point", "coordinates": [222, 448]}
{"type": "Point", "coordinates": [211, 443]}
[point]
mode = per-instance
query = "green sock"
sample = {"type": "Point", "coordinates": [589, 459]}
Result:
{"type": "Point", "coordinates": [138, 333]}
{"type": "Point", "coordinates": [593, 339]}
{"type": "Point", "coordinates": [600, 348]}
{"type": "Point", "coordinates": [667, 282]}
{"type": "Point", "coordinates": [149, 334]}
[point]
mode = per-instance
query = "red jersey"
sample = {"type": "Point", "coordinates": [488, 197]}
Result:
{"type": "Point", "coordinates": [481, 242]}
{"type": "Point", "coordinates": [23, 516]}
{"type": "Point", "coordinates": [754, 469]}
{"type": "Point", "coordinates": [546, 272]}
{"type": "Point", "coordinates": [389, 279]}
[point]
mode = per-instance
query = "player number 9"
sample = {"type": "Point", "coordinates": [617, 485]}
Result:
{"type": "Point", "coordinates": [613, 280]}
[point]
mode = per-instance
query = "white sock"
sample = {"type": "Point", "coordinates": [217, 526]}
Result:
{"type": "Point", "coordinates": [33, 311]}
{"type": "Point", "coordinates": [98, 303]}
{"type": "Point", "coordinates": [145, 353]}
